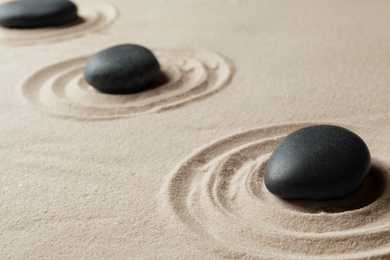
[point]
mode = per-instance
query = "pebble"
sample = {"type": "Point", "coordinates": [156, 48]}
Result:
{"type": "Point", "coordinates": [320, 162]}
{"type": "Point", "coordinates": [122, 69]}
{"type": "Point", "coordinates": [25, 14]}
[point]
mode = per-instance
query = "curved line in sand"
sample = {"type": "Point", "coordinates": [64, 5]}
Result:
{"type": "Point", "coordinates": [186, 76]}
{"type": "Point", "coordinates": [92, 17]}
{"type": "Point", "coordinates": [218, 193]}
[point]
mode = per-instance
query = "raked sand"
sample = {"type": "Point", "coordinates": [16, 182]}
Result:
{"type": "Point", "coordinates": [176, 172]}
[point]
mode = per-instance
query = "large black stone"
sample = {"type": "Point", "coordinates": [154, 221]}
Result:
{"type": "Point", "coordinates": [318, 163]}
{"type": "Point", "coordinates": [122, 69]}
{"type": "Point", "coordinates": [37, 13]}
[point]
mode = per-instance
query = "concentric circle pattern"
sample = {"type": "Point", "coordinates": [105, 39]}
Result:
{"type": "Point", "coordinates": [93, 16]}
{"type": "Point", "coordinates": [218, 193]}
{"type": "Point", "coordinates": [185, 76]}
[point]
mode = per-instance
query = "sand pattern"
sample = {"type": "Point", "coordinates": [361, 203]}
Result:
{"type": "Point", "coordinates": [218, 193]}
{"type": "Point", "coordinates": [186, 76]}
{"type": "Point", "coordinates": [93, 16]}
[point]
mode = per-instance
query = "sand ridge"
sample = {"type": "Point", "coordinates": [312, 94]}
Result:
{"type": "Point", "coordinates": [218, 193]}
{"type": "Point", "coordinates": [93, 16]}
{"type": "Point", "coordinates": [186, 76]}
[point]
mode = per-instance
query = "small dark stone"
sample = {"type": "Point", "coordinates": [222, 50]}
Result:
{"type": "Point", "coordinates": [122, 69]}
{"type": "Point", "coordinates": [318, 163]}
{"type": "Point", "coordinates": [25, 14]}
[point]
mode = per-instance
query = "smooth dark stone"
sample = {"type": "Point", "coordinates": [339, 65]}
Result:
{"type": "Point", "coordinates": [318, 163]}
{"type": "Point", "coordinates": [122, 69]}
{"type": "Point", "coordinates": [37, 13]}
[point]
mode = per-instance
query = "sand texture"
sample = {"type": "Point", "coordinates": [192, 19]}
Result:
{"type": "Point", "coordinates": [61, 89]}
{"type": "Point", "coordinates": [176, 172]}
{"type": "Point", "coordinates": [93, 16]}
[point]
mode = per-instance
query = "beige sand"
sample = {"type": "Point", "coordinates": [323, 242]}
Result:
{"type": "Point", "coordinates": [176, 172]}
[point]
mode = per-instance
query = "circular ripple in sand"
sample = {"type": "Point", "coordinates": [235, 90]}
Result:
{"type": "Point", "coordinates": [219, 194]}
{"type": "Point", "coordinates": [93, 16]}
{"type": "Point", "coordinates": [185, 76]}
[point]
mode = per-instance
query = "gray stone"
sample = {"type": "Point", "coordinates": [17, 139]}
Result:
{"type": "Point", "coordinates": [122, 69]}
{"type": "Point", "coordinates": [25, 14]}
{"type": "Point", "coordinates": [318, 163]}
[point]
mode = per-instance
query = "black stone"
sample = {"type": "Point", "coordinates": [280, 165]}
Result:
{"type": "Point", "coordinates": [122, 69]}
{"type": "Point", "coordinates": [318, 163]}
{"type": "Point", "coordinates": [25, 14]}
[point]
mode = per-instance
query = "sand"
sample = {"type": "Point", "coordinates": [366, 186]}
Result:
{"type": "Point", "coordinates": [176, 172]}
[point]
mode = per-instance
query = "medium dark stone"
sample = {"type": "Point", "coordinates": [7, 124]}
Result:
{"type": "Point", "coordinates": [318, 163]}
{"type": "Point", "coordinates": [37, 13]}
{"type": "Point", "coordinates": [122, 69]}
